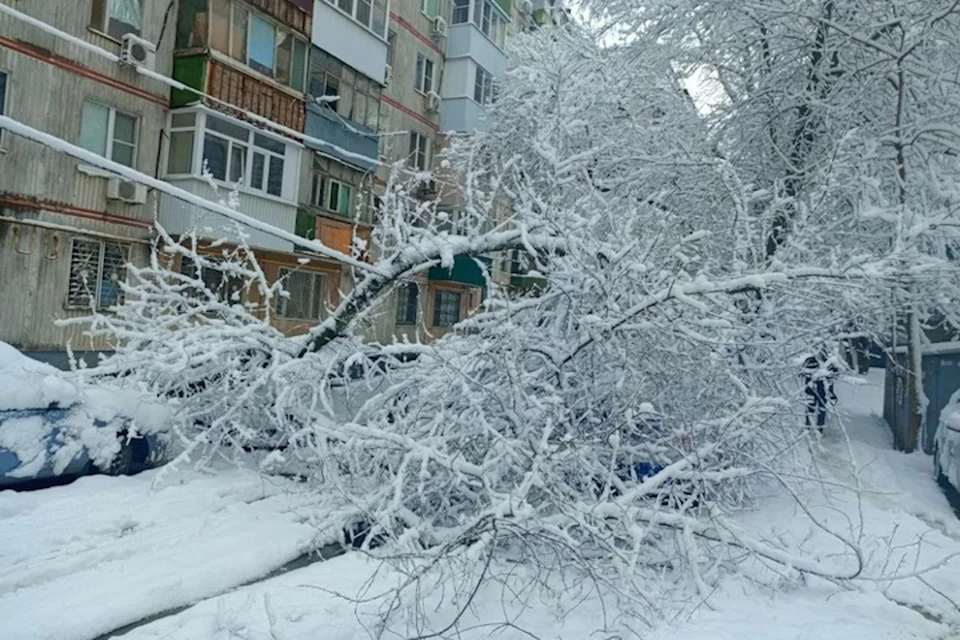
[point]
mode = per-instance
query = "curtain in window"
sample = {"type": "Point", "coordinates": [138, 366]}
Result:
{"type": "Point", "coordinates": [262, 45]}
{"type": "Point", "coordinates": [94, 121]}
{"type": "Point", "coordinates": [126, 11]}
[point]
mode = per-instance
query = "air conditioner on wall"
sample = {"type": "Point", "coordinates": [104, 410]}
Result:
{"type": "Point", "coordinates": [439, 27]}
{"type": "Point", "coordinates": [433, 102]}
{"type": "Point", "coordinates": [137, 52]}
{"type": "Point", "coordinates": [388, 76]}
{"type": "Point", "coordinates": [126, 190]}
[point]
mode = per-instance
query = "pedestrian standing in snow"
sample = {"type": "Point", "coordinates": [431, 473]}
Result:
{"type": "Point", "coordinates": [818, 375]}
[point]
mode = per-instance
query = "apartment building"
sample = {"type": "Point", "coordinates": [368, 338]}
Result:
{"type": "Point", "coordinates": [67, 229]}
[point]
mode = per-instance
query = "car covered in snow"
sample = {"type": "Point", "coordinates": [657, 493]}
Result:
{"type": "Point", "coordinates": [54, 426]}
{"type": "Point", "coordinates": [946, 454]}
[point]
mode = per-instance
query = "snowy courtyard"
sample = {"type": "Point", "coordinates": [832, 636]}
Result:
{"type": "Point", "coordinates": [196, 557]}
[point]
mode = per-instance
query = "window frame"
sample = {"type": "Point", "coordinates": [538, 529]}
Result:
{"type": "Point", "coordinates": [244, 50]}
{"type": "Point", "coordinates": [483, 83]}
{"type": "Point", "coordinates": [377, 14]}
{"type": "Point", "coordinates": [111, 132]}
{"type": "Point", "coordinates": [353, 89]}
{"type": "Point", "coordinates": [228, 285]}
{"type": "Point", "coordinates": [455, 7]}
{"type": "Point", "coordinates": [438, 308]}
{"type": "Point", "coordinates": [403, 316]}
{"type": "Point", "coordinates": [96, 296]}
{"type": "Point", "coordinates": [419, 146]}
{"type": "Point", "coordinates": [317, 294]}
{"type": "Point", "coordinates": [256, 143]}
{"type": "Point", "coordinates": [423, 81]}
{"type": "Point", "coordinates": [100, 21]}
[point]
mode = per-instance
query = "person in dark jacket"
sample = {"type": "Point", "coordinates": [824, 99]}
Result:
{"type": "Point", "coordinates": [818, 377]}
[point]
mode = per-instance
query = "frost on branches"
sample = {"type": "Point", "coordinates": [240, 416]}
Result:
{"type": "Point", "coordinates": [609, 423]}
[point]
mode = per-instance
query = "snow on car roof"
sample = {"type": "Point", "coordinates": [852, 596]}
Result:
{"type": "Point", "coordinates": [26, 383]}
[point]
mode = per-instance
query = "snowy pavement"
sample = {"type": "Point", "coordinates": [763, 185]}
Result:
{"type": "Point", "coordinates": [93, 556]}
{"type": "Point", "coordinates": [84, 559]}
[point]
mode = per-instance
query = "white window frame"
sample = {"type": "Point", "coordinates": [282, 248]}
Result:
{"type": "Point", "coordinates": [104, 27]}
{"type": "Point", "coordinates": [423, 81]}
{"type": "Point", "coordinates": [418, 143]}
{"type": "Point", "coordinates": [201, 129]}
{"type": "Point", "coordinates": [111, 123]}
{"type": "Point", "coordinates": [483, 79]}
{"type": "Point", "coordinates": [453, 12]}
{"type": "Point", "coordinates": [92, 286]}
{"type": "Point", "coordinates": [374, 6]}
{"type": "Point", "coordinates": [318, 288]}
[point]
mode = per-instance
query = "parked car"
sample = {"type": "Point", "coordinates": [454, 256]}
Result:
{"type": "Point", "coordinates": [946, 453]}
{"type": "Point", "coordinates": [52, 426]}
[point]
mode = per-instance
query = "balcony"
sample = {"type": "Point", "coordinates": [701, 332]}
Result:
{"type": "Point", "coordinates": [468, 41]}
{"type": "Point", "coordinates": [462, 114]}
{"type": "Point", "coordinates": [346, 39]}
{"type": "Point", "coordinates": [350, 143]}
{"type": "Point", "coordinates": [465, 271]}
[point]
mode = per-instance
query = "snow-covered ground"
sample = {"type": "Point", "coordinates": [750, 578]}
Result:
{"type": "Point", "coordinates": [93, 556]}
{"type": "Point", "coordinates": [84, 559]}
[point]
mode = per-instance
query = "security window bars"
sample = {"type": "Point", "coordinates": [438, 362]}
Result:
{"type": "Point", "coordinates": [446, 308]}
{"type": "Point", "coordinates": [304, 299]}
{"type": "Point", "coordinates": [96, 270]}
{"type": "Point", "coordinates": [407, 303]}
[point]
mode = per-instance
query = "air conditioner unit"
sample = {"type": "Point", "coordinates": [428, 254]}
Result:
{"type": "Point", "coordinates": [439, 27]}
{"type": "Point", "coordinates": [388, 76]}
{"type": "Point", "coordinates": [526, 7]}
{"type": "Point", "coordinates": [433, 102]}
{"type": "Point", "coordinates": [137, 52]}
{"type": "Point", "coordinates": [126, 190]}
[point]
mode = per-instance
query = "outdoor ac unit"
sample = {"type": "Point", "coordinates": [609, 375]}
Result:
{"type": "Point", "coordinates": [439, 27]}
{"type": "Point", "coordinates": [433, 102]}
{"type": "Point", "coordinates": [126, 190]}
{"type": "Point", "coordinates": [388, 76]}
{"type": "Point", "coordinates": [526, 7]}
{"type": "Point", "coordinates": [137, 52]}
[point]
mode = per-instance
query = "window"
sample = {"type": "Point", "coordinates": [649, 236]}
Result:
{"type": "Point", "coordinates": [483, 87]}
{"type": "Point", "coordinates": [232, 153]}
{"type": "Point", "coordinates": [180, 156]}
{"type": "Point", "coordinates": [423, 74]}
{"type": "Point", "coordinates": [109, 133]}
{"type": "Point", "coordinates": [431, 8]}
{"type": "Point", "coordinates": [391, 37]}
{"type": "Point", "coordinates": [96, 271]}
{"type": "Point", "coordinates": [116, 18]}
{"type": "Point", "coordinates": [419, 151]}
{"type": "Point", "coordinates": [227, 288]}
{"type": "Point", "coordinates": [304, 299]}
{"type": "Point", "coordinates": [372, 14]}
{"type": "Point", "coordinates": [488, 20]}
{"type": "Point", "coordinates": [446, 308]}
{"type": "Point", "coordinates": [258, 43]}
{"type": "Point", "coordinates": [407, 295]}
{"type": "Point", "coordinates": [334, 186]}
{"type": "Point", "coordinates": [343, 90]}
{"type": "Point", "coordinates": [461, 11]}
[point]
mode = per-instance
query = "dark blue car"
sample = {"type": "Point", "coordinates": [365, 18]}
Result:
{"type": "Point", "coordinates": [53, 427]}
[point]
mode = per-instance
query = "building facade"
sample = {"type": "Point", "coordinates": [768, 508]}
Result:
{"type": "Point", "coordinates": [298, 111]}
{"type": "Point", "coordinates": [67, 229]}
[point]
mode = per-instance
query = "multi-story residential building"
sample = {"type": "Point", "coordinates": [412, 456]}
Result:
{"type": "Point", "coordinates": [68, 229]}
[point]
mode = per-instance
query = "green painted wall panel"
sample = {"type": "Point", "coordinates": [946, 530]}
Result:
{"type": "Point", "coordinates": [191, 71]}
